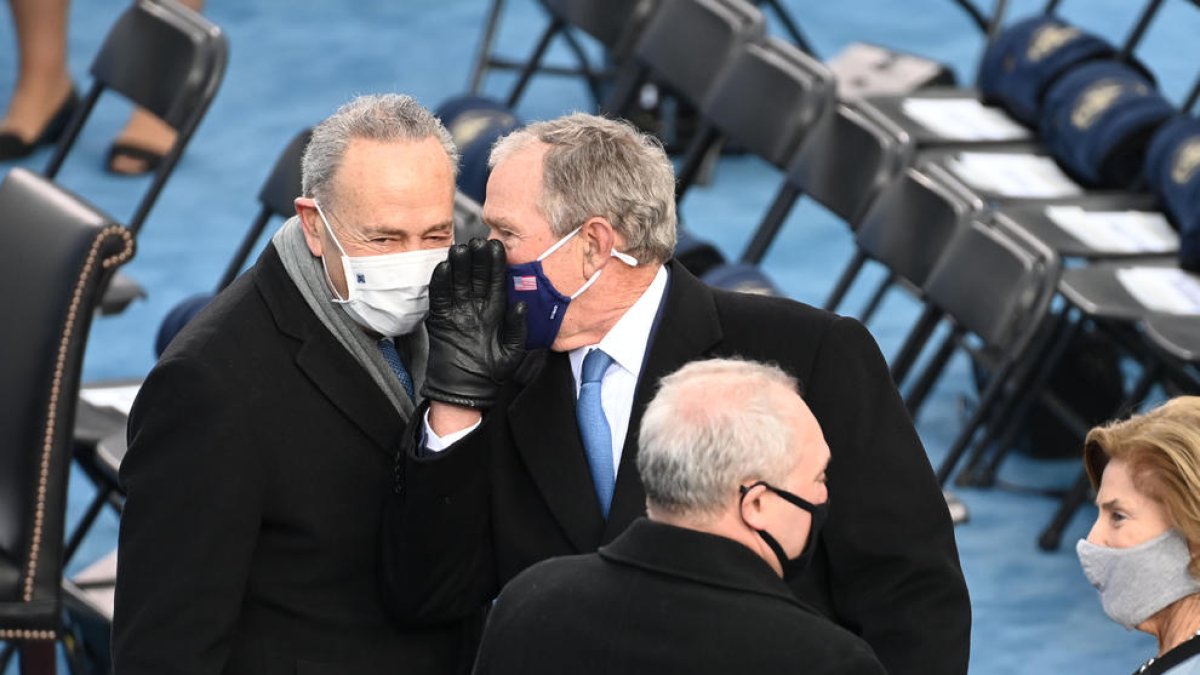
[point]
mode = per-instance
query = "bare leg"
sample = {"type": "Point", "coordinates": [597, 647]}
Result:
{"type": "Point", "coordinates": [145, 130]}
{"type": "Point", "coordinates": [43, 82]}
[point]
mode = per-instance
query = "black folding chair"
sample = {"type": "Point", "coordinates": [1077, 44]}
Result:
{"type": "Point", "coordinates": [766, 100]}
{"type": "Point", "coordinates": [683, 47]}
{"type": "Point", "coordinates": [169, 60]}
{"type": "Point", "coordinates": [61, 251]}
{"type": "Point", "coordinates": [995, 284]}
{"type": "Point", "coordinates": [906, 229]}
{"type": "Point", "coordinates": [843, 164]}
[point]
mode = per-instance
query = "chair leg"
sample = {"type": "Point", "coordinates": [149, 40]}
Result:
{"type": "Point", "coordinates": [625, 89]}
{"type": "Point", "coordinates": [877, 297]}
{"type": "Point", "coordinates": [790, 27]}
{"type": "Point", "coordinates": [914, 344]}
{"type": "Point", "coordinates": [585, 65]}
{"type": "Point", "coordinates": [845, 280]}
{"type": "Point", "coordinates": [85, 523]}
{"type": "Point", "coordinates": [38, 657]}
{"type": "Point", "coordinates": [484, 54]}
{"type": "Point", "coordinates": [1051, 537]}
{"type": "Point", "coordinates": [764, 236]}
{"type": "Point", "coordinates": [990, 396]}
{"type": "Point", "coordinates": [531, 66]}
{"type": "Point", "coordinates": [920, 391]}
{"type": "Point", "coordinates": [693, 159]}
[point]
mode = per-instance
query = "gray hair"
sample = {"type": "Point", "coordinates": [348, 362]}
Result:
{"type": "Point", "coordinates": [377, 117]}
{"type": "Point", "coordinates": [714, 425]}
{"type": "Point", "coordinates": [606, 168]}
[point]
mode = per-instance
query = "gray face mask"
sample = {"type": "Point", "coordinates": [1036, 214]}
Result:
{"type": "Point", "coordinates": [1135, 583]}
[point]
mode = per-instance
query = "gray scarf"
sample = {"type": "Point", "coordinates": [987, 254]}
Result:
{"type": "Point", "coordinates": [308, 274]}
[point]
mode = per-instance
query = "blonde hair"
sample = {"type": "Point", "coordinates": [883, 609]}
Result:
{"type": "Point", "coordinates": [1162, 450]}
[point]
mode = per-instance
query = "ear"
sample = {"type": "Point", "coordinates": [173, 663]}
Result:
{"type": "Point", "coordinates": [599, 239]}
{"type": "Point", "coordinates": [310, 222]}
{"type": "Point", "coordinates": [753, 507]}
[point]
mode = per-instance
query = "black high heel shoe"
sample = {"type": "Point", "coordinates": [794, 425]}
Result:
{"type": "Point", "coordinates": [13, 146]}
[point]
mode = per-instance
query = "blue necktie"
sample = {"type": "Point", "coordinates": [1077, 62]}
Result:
{"type": "Point", "coordinates": [388, 347]}
{"type": "Point", "coordinates": [593, 427]}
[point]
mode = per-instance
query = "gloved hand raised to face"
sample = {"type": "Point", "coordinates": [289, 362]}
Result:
{"type": "Point", "coordinates": [475, 340]}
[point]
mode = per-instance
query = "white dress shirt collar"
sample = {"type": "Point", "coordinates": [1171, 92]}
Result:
{"type": "Point", "coordinates": [626, 342]}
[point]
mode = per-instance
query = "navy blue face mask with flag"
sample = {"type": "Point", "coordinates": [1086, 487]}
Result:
{"type": "Point", "coordinates": [545, 305]}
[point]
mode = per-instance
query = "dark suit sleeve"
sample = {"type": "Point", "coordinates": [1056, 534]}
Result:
{"type": "Point", "coordinates": [190, 524]}
{"type": "Point", "coordinates": [893, 563]}
{"type": "Point", "coordinates": [438, 563]}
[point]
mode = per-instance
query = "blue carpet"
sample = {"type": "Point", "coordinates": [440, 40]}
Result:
{"type": "Point", "coordinates": [293, 63]}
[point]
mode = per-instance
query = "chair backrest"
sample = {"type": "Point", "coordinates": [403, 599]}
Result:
{"type": "Point", "coordinates": [909, 225]}
{"type": "Point", "coordinates": [996, 281]}
{"type": "Point", "coordinates": [165, 58]}
{"type": "Point", "coordinates": [849, 158]}
{"type": "Point", "coordinates": [60, 253]}
{"type": "Point", "coordinates": [769, 97]}
{"type": "Point", "coordinates": [684, 45]}
{"type": "Point", "coordinates": [609, 21]}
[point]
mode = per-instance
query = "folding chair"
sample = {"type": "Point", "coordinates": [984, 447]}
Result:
{"type": "Point", "coordinates": [169, 60]}
{"type": "Point", "coordinates": [683, 47]}
{"type": "Point", "coordinates": [995, 283]}
{"type": "Point", "coordinates": [767, 99]}
{"type": "Point", "coordinates": [843, 164]}
{"type": "Point", "coordinates": [906, 229]}
{"type": "Point", "coordinates": [612, 23]}
{"type": "Point", "coordinates": [61, 252]}
{"type": "Point", "coordinates": [1099, 295]}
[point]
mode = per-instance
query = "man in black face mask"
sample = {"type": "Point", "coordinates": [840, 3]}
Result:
{"type": "Point", "coordinates": [734, 467]}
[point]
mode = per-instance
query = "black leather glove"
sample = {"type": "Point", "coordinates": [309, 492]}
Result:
{"type": "Point", "coordinates": [475, 340]}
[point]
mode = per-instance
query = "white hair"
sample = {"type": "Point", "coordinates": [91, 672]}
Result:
{"type": "Point", "coordinates": [715, 425]}
{"type": "Point", "coordinates": [598, 167]}
{"type": "Point", "coordinates": [377, 117]}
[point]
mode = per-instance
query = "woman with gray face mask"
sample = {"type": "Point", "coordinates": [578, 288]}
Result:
{"type": "Point", "coordinates": [1143, 553]}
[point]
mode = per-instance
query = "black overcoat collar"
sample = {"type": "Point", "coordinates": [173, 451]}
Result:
{"type": "Point", "coordinates": [324, 360]}
{"type": "Point", "coordinates": [697, 556]}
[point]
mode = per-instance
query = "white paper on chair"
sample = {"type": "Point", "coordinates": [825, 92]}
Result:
{"type": "Point", "coordinates": [115, 398]}
{"type": "Point", "coordinates": [1162, 289]}
{"type": "Point", "coordinates": [1013, 174]}
{"type": "Point", "coordinates": [1117, 231]}
{"type": "Point", "coordinates": [963, 119]}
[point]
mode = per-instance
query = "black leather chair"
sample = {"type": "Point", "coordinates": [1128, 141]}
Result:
{"type": "Point", "coordinates": [60, 252]}
{"type": "Point", "coordinates": [169, 60]}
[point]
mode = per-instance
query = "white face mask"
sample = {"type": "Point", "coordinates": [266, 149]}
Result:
{"type": "Point", "coordinates": [388, 294]}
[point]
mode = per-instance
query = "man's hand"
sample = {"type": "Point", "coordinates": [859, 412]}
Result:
{"type": "Point", "coordinates": [475, 340]}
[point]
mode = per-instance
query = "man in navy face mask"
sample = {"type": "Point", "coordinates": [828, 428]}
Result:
{"type": "Point", "coordinates": [728, 453]}
{"type": "Point", "coordinates": [262, 444]}
{"type": "Point", "coordinates": [519, 459]}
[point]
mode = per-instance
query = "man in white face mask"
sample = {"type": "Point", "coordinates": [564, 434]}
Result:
{"type": "Point", "coordinates": [262, 445]}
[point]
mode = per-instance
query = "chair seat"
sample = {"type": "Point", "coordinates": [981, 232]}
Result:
{"type": "Point", "coordinates": [1097, 290]}
{"type": "Point", "coordinates": [943, 115]}
{"type": "Point", "coordinates": [1037, 220]}
{"type": "Point", "coordinates": [121, 292]}
{"type": "Point", "coordinates": [1177, 335]}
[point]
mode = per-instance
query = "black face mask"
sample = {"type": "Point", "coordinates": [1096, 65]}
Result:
{"type": "Point", "coordinates": [792, 567]}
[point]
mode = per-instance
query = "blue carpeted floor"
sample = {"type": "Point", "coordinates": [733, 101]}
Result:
{"type": "Point", "coordinates": [293, 62]}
